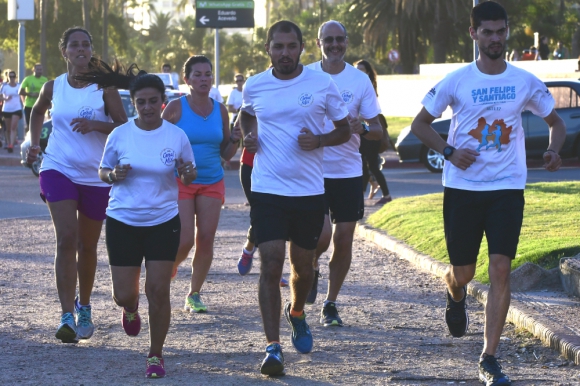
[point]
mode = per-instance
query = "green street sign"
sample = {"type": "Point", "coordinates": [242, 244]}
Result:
{"type": "Point", "coordinates": [224, 14]}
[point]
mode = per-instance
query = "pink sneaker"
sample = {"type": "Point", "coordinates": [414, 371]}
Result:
{"type": "Point", "coordinates": [155, 367]}
{"type": "Point", "coordinates": [131, 322]}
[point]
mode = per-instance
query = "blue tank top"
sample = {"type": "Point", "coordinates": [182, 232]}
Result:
{"type": "Point", "coordinates": [205, 137]}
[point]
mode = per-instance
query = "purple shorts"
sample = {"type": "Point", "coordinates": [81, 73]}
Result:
{"type": "Point", "coordinates": [91, 201]}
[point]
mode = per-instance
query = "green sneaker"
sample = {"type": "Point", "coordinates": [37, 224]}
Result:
{"type": "Point", "coordinates": [193, 303]}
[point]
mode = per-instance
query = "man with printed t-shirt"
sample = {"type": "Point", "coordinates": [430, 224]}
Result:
{"type": "Point", "coordinates": [343, 192]}
{"type": "Point", "coordinates": [485, 175]}
{"type": "Point", "coordinates": [283, 113]}
{"type": "Point", "coordinates": [30, 89]}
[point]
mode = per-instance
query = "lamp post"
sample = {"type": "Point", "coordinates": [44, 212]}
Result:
{"type": "Point", "coordinates": [475, 48]}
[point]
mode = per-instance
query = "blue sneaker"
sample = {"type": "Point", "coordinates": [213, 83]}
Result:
{"type": "Point", "coordinates": [67, 329]}
{"type": "Point", "coordinates": [273, 364]}
{"type": "Point", "coordinates": [85, 326]}
{"type": "Point", "coordinates": [301, 336]}
{"type": "Point", "coordinates": [490, 372]}
{"type": "Point", "coordinates": [245, 262]}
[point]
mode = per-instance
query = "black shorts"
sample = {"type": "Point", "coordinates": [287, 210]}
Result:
{"type": "Point", "coordinates": [297, 219]}
{"type": "Point", "coordinates": [127, 245]}
{"type": "Point", "coordinates": [468, 214]}
{"type": "Point", "coordinates": [343, 199]}
{"type": "Point", "coordinates": [6, 114]}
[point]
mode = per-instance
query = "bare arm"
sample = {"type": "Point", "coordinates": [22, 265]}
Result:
{"type": "Point", "coordinates": [231, 140]}
{"type": "Point", "coordinates": [557, 137]}
{"type": "Point", "coordinates": [249, 126]}
{"type": "Point", "coordinates": [37, 118]}
{"type": "Point", "coordinates": [172, 112]}
{"type": "Point", "coordinates": [421, 127]}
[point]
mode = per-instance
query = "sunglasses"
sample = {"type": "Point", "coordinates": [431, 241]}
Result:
{"type": "Point", "coordinates": [330, 39]}
{"type": "Point", "coordinates": [12, 75]}
{"type": "Point", "coordinates": [239, 80]}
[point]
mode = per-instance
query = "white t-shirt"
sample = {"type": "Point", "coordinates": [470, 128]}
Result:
{"type": "Point", "coordinates": [148, 196]}
{"type": "Point", "coordinates": [214, 94]}
{"type": "Point", "coordinates": [235, 100]}
{"type": "Point", "coordinates": [487, 118]}
{"type": "Point", "coordinates": [356, 89]}
{"type": "Point", "coordinates": [13, 104]}
{"type": "Point", "coordinates": [283, 108]}
{"type": "Point", "coordinates": [74, 154]}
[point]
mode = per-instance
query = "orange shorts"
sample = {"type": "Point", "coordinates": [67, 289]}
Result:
{"type": "Point", "coordinates": [189, 192]}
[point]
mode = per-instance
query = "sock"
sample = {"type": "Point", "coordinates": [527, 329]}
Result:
{"type": "Point", "coordinates": [296, 314]}
{"type": "Point", "coordinates": [272, 342]}
{"type": "Point", "coordinates": [133, 310]}
{"type": "Point", "coordinates": [251, 253]}
{"type": "Point", "coordinates": [328, 301]}
{"type": "Point", "coordinates": [79, 305]}
{"type": "Point", "coordinates": [154, 355]}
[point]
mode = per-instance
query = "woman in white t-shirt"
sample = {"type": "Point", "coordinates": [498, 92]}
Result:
{"type": "Point", "coordinates": [82, 117]}
{"type": "Point", "coordinates": [12, 110]}
{"type": "Point", "coordinates": [139, 161]}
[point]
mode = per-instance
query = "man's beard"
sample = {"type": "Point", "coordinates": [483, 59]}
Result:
{"type": "Point", "coordinates": [286, 69]}
{"type": "Point", "coordinates": [492, 55]}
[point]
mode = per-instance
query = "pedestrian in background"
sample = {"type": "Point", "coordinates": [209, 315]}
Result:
{"type": "Point", "coordinates": [82, 117]}
{"type": "Point", "coordinates": [11, 110]}
{"type": "Point", "coordinates": [235, 98]}
{"type": "Point", "coordinates": [166, 69]}
{"type": "Point", "coordinates": [30, 89]}
{"type": "Point", "coordinates": [543, 49]}
{"type": "Point", "coordinates": [561, 52]}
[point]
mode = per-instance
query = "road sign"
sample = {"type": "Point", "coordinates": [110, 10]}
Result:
{"type": "Point", "coordinates": [224, 14]}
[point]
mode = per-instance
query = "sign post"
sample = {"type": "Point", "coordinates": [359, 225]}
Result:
{"type": "Point", "coordinates": [223, 14]}
{"type": "Point", "coordinates": [21, 10]}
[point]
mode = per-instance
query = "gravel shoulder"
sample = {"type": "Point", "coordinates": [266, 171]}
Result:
{"type": "Point", "coordinates": [394, 330]}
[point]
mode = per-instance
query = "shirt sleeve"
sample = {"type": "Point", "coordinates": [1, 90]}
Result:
{"type": "Point", "coordinates": [541, 101]}
{"type": "Point", "coordinates": [24, 84]}
{"type": "Point", "coordinates": [247, 103]}
{"type": "Point", "coordinates": [231, 98]}
{"type": "Point", "coordinates": [369, 105]}
{"type": "Point", "coordinates": [110, 156]}
{"type": "Point", "coordinates": [438, 98]}
{"type": "Point", "coordinates": [186, 150]}
{"type": "Point", "coordinates": [335, 107]}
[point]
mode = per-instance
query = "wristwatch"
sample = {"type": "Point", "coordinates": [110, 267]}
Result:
{"type": "Point", "coordinates": [448, 152]}
{"type": "Point", "coordinates": [366, 130]}
{"type": "Point", "coordinates": [110, 177]}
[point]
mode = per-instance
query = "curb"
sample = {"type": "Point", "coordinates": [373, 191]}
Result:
{"type": "Point", "coordinates": [541, 327]}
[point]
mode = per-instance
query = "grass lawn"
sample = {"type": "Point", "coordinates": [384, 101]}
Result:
{"type": "Point", "coordinates": [551, 227]}
{"type": "Point", "coordinates": [396, 124]}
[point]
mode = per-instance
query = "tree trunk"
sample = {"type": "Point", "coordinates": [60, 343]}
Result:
{"type": "Point", "coordinates": [43, 11]}
{"type": "Point", "coordinates": [576, 43]}
{"type": "Point", "coordinates": [441, 32]}
{"type": "Point", "coordinates": [86, 15]}
{"type": "Point", "coordinates": [105, 55]}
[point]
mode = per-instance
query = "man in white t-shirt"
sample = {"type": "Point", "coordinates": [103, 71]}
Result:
{"type": "Point", "coordinates": [484, 185]}
{"type": "Point", "coordinates": [214, 94]}
{"type": "Point", "coordinates": [283, 113]}
{"type": "Point", "coordinates": [343, 187]}
{"type": "Point", "coordinates": [235, 97]}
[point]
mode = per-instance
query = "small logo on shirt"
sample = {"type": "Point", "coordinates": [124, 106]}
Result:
{"type": "Point", "coordinates": [432, 91]}
{"type": "Point", "coordinates": [168, 157]}
{"type": "Point", "coordinates": [305, 99]}
{"type": "Point", "coordinates": [347, 96]}
{"type": "Point", "coordinates": [87, 112]}
{"type": "Point", "coordinates": [491, 135]}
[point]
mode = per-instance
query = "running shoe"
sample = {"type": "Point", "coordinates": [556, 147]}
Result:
{"type": "Point", "coordinates": [85, 326]}
{"type": "Point", "coordinates": [273, 364]}
{"type": "Point", "coordinates": [329, 315]}
{"type": "Point", "coordinates": [301, 336]}
{"type": "Point", "coordinates": [155, 367]}
{"type": "Point", "coordinates": [384, 200]}
{"type": "Point", "coordinates": [283, 282]}
{"type": "Point", "coordinates": [193, 303]}
{"type": "Point", "coordinates": [131, 321]}
{"type": "Point", "coordinates": [10, 149]}
{"type": "Point", "coordinates": [245, 263]}
{"type": "Point", "coordinates": [311, 298]}
{"type": "Point", "coordinates": [456, 315]}
{"type": "Point", "coordinates": [490, 372]}
{"type": "Point", "coordinates": [67, 329]}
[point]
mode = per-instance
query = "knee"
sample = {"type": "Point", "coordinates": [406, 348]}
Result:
{"type": "Point", "coordinates": [67, 241]}
{"type": "Point", "coordinates": [459, 276]}
{"type": "Point", "coordinates": [303, 271]}
{"type": "Point", "coordinates": [125, 299]}
{"type": "Point", "coordinates": [499, 269]}
{"type": "Point", "coordinates": [205, 240]}
{"type": "Point", "coordinates": [157, 293]}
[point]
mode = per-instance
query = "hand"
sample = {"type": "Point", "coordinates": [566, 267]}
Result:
{"type": "Point", "coordinates": [236, 133]}
{"type": "Point", "coordinates": [463, 158]}
{"type": "Point", "coordinates": [552, 161]}
{"type": "Point", "coordinates": [307, 140]}
{"type": "Point", "coordinates": [120, 172]}
{"type": "Point", "coordinates": [82, 125]}
{"type": "Point", "coordinates": [355, 125]}
{"type": "Point", "coordinates": [251, 142]}
{"type": "Point", "coordinates": [186, 169]}
{"type": "Point", "coordinates": [32, 154]}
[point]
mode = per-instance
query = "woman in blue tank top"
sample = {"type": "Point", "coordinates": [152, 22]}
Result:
{"type": "Point", "coordinates": [206, 123]}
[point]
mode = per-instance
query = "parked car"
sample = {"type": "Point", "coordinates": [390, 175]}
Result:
{"type": "Point", "coordinates": [566, 94]}
{"type": "Point", "coordinates": [47, 127]}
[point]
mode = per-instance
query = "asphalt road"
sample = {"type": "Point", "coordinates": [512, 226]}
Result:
{"type": "Point", "coordinates": [19, 191]}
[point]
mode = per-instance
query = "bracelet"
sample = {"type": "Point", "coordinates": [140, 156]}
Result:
{"type": "Point", "coordinates": [319, 141]}
{"type": "Point", "coordinates": [35, 147]}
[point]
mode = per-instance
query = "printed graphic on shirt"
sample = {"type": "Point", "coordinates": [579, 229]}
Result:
{"type": "Point", "coordinates": [491, 136]}
{"type": "Point", "coordinates": [347, 96]}
{"type": "Point", "coordinates": [490, 95]}
{"type": "Point", "coordinates": [87, 112]}
{"type": "Point", "coordinates": [305, 99]}
{"type": "Point", "coordinates": [168, 156]}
